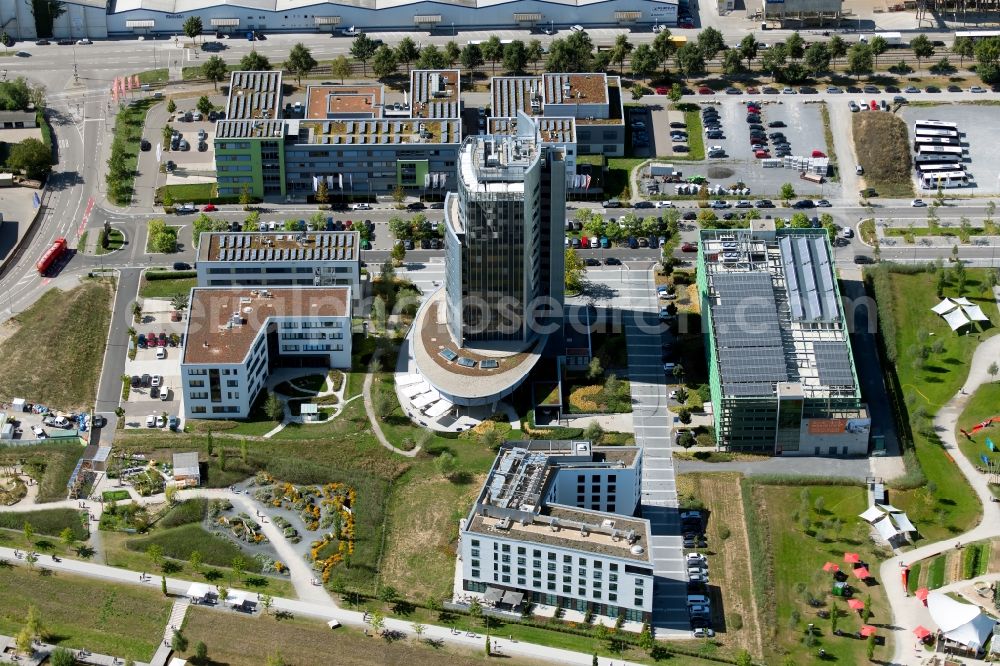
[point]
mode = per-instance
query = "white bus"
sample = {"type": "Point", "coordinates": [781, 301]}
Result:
{"type": "Point", "coordinates": [935, 141]}
{"type": "Point", "coordinates": [944, 179]}
{"type": "Point", "coordinates": [931, 158]}
{"type": "Point", "coordinates": [976, 35]}
{"type": "Point", "coordinates": [934, 124]}
{"type": "Point", "coordinates": [939, 168]}
{"type": "Point", "coordinates": [924, 149]}
{"type": "Point", "coordinates": [922, 131]}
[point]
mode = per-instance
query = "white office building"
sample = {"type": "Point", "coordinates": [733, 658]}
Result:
{"type": "Point", "coordinates": [280, 259]}
{"type": "Point", "coordinates": [554, 525]}
{"type": "Point", "coordinates": [235, 337]}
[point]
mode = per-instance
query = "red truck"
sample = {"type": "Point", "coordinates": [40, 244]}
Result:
{"type": "Point", "coordinates": [51, 255]}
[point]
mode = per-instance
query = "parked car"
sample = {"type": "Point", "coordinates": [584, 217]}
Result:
{"type": "Point", "coordinates": [161, 353]}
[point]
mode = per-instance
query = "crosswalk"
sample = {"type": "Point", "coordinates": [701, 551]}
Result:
{"type": "Point", "coordinates": [652, 422]}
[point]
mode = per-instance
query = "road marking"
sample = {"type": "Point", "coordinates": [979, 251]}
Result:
{"type": "Point", "coordinates": [86, 216]}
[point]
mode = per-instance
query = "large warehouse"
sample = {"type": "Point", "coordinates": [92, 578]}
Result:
{"type": "Point", "coordinates": [780, 364]}
{"type": "Point", "coordinates": [99, 18]}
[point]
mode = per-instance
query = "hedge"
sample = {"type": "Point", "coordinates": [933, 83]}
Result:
{"type": "Point", "coordinates": [170, 275]}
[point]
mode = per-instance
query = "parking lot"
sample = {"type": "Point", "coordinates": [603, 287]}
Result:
{"type": "Point", "coordinates": [979, 128]}
{"type": "Point", "coordinates": [146, 399]}
{"type": "Point", "coordinates": [192, 161]}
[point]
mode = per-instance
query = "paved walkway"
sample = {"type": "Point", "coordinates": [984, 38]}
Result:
{"type": "Point", "coordinates": [908, 612]}
{"type": "Point", "coordinates": [652, 426]}
{"type": "Point", "coordinates": [328, 611]}
{"type": "Point", "coordinates": [366, 391]}
{"type": "Point", "coordinates": [175, 623]}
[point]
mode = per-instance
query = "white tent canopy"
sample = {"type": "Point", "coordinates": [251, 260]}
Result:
{"type": "Point", "coordinates": [956, 319]}
{"type": "Point", "coordinates": [888, 508]}
{"type": "Point", "coordinates": [425, 399]}
{"type": "Point", "coordinates": [943, 307]}
{"type": "Point", "coordinates": [885, 529]}
{"type": "Point", "coordinates": [439, 408]}
{"type": "Point", "coordinates": [407, 380]}
{"type": "Point", "coordinates": [962, 300]}
{"type": "Point", "coordinates": [960, 622]}
{"type": "Point", "coordinates": [903, 522]}
{"type": "Point", "coordinates": [416, 389]}
{"type": "Point", "coordinates": [237, 598]}
{"type": "Point", "coordinates": [975, 313]}
{"type": "Point", "coordinates": [199, 591]}
{"type": "Point", "coordinates": [872, 514]}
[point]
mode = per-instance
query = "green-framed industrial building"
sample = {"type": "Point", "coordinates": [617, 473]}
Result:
{"type": "Point", "coordinates": [780, 364]}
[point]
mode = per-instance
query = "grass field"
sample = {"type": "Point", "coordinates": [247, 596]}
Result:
{"type": "Point", "coordinates": [946, 505]}
{"type": "Point", "coordinates": [800, 538]}
{"type": "Point", "coordinates": [80, 612]}
{"type": "Point", "coordinates": [179, 542]}
{"type": "Point", "coordinates": [166, 288]}
{"type": "Point", "coordinates": [236, 640]}
{"type": "Point", "coordinates": [48, 522]}
{"type": "Point", "coordinates": [983, 404]}
{"type": "Point", "coordinates": [616, 182]}
{"type": "Point", "coordinates": [115, 495]}
{"type": "Point", "coordinates": [188, 192]}
{"type": "Point", "coordinates": [696, 138]}
{"type": "Point", "coordinates": [49, 368]}
{"type": "Point", "coordinates": [883, 149]}
{"type": "Point", "coordinates": [115, 241]}
{"type": "Point", "coordinates": [154, 76]}
{"type": "Point", "coordinates": [736, 623]}
{"type": "Point", "coordinates": [50, 464]}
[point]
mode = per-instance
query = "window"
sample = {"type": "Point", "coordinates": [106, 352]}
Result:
{"type": "Point", "coordinates": [521, 561]}
{"type": "Point", "coordinates": [521, 581]}
{"type": "Point", "coordinates": [612, 597]}
{"type": "Point", "coordinates": [567, 589]}
{"type": "Point", "coordinates": [639, 582]}
{"type": "Point", "coordinates": [582, 561]}
{"type": "Point", "coordinates": [551, 587]}
{"type": "Point", "coordinates": [506, 548]}
{"type": "Point", "coordinates": [597, 575]}
{"type": "Point", "coordinates": [582, 591]}
{"type": "Point", "coordinates": [505, 579]}
{"type": "Point", "coordinates": [475, 563]}
{"type": "Point", "coordinates": [475, 573]}
{"type": "Point", "coordinates": [613, 587]}
{"type": "Point", "coordinates": [505, 558]}
{"type": "Point", "coordinates": [521, 571]}
{"type": "Point", "coordinates": [475, 552]}
{"type": "Point", "coordinates": [567, 569]}
{"type": "Point", "coordinates": [552, 566]}
{"type": "Point", "coordinates": [196, 383]}
{"type": "Point", "coordinates": [475, 543]}
{"type": "Point", "coordinates": [536, 553]}
{"type": "Point", "coordinates": [521, 550]}
{"type": "Point", "coordinates": [568, 559]}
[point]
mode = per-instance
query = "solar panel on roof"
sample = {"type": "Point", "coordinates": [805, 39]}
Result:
{"type": "Point", "coordinates": [747, 390]}
{"type": "Point", "coordinates": [833, 363]}
{"type": "Point", "coordinates": [466, 362]}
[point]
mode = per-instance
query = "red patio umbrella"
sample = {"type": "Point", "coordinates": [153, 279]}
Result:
{"type": "Point", "coordinates": [868, 630]}
{"type": "Point", "coordinates": [861, 573]}
{"type": "Point", "coordinates": [856, 604]}
{"type": "Point", "coordinates": [922, 632]}
{"type": "Point", "coordinates": [830, 566]}
{"type": "Point", "coordinates": [852, 558]}
{"type": "Point", "coordinates": [922, 594]}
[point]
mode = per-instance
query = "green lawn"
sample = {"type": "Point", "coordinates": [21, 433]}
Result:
{"type": "Point", "coordinates": [47, 522]}
{"type": "Point", "coordinates": [55, 370]}
{"type": "Point", "coordinates": [115, 242]}
{"type": "Point", "coordinates": [696, 138]}
{"type": "Point", "coordinates": [188, 192]}
{"type": "Point", "coordinates": [115, 495]}
{"type": "Point", "coordinates": [983, 404]}
{"type": "Point", "coordinates": [179, 542]}
{"type": "Point", "coordinates": [946, 505]}
{"type": "Point", "coordinates": [935, 574]}
{"type": "Point", "coordinates": [167, 288]}
{"type": "Point", "coordinates": [149, 240]}
{"type": "Point", "coordinates": [616, 183]}
{"type": "Point", "coordinates": [78, 612]}
{"type": "Point", "coordinates": [154, 76]}
{"type": "Point", "coordinates": [795, 557]}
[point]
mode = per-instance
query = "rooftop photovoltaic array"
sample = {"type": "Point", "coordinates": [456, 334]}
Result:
{"type": "Point", "coordinates": [812, 294]}
{"type": "Point", "coordinates": [833, 362]}
{"type": "Point", "coordinates": [753, 365]}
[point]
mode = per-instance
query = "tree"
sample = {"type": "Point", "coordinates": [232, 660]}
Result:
{"type": "Point", "coordinates": [418, 629]}
{"type": "Point", "coordinates": [208, 442]}
{"type": "Point", "coordinates": [266, 601]}
{"type": "Point", "coordinates": [170, 494]}
{"type": "Point", "coordinates": [774, 59]}
{"type": "Point", "coordinates": [452, 52]}
{"type": "Point", "coordinates": [493, 51]}
{"type": "Point", "coordinates": [732, 63]}
{"type": "Point", "coordinates": [223, 594]}
{"type": "Point", "coordinates": [29, 531]}
{"type": "Point", "coordinates": [201, 652]}
{"type": "Point", "coordinates": [155, 554]}
{"type": "Point", "coordinates": [274, 407]}
{"type": "Point", "coordinates": [67, 536]}
{"type": "Point", "coordinates": [620, 51]}
{"type": "Point", "coordinates": [475, 609]}
{"type": "Point", "coordinates": [445, 464]}
{"type": "Point", "coordinates": [254, 61]}
{"type": "Point", "coordinates": [238, 566]}
{"type": "Point", "coordinates": [192, 26]}
{"type": "Point", "coordinates": [300, 61]}
{"type": "Point", "coordinates": [398, 253]}
{"type": "Point", "coordinates": [690, 61]}
{"type": "Point", "coordinates": [23, 642]}
{"type": "Point", "coordinates": [31, 559]}
{"type": "Point", "coordinates": [61, 657]}
{"type": "Point", "coordinates": [407, 52]}
{"type": "Point", "coordinates": [964, 48]}
{"type": "Point", "coordinates": [676, 93]}
{"type": "Point", "coordinates": [575, 270]}
{"type": "Point", "coordinates": [922, 47]}
{"type": "Point", "coordinates": [686, 439]}
{"type": "Point", "coordinates": [275, 659]}
{"type": "Point", "coordinates": [32, 157]}
{"type": "Point", "coordinates": [377, 620]}
{"type": "Point", "coordinates": [471, 59]}
{"type": "Point", "coordinates": [795, 46]}
{"type": "Point", "coordinates": [837, 47]}
{"type": "Point", "coordinates": [817, 58]}
{"type": "Point", "coordinates": [215, 70]}
{"type": "Point", "coordinates": [171, 105]}
{"type": "Point", "coordinates": [664, 47]}
{"type": "Point", "coordinates": [684, 415]}
{"type": "Point", "coordinates": [491, 439]}
{"type": "Point", "coordinates": [384, 63]}
{"type": "Point", "coordinates": [536, 52]}
{"type": "Point", "coordinates": [572, 54]}
{"type": "Point", "coordinates": [744, 658]}
{"type": "Point", "coordinates": [363, 48]}
{"type": "Point", "coordinates": [877, 45]}
{"type": "Point", "coordinates": [643, 61]}
{"type": "Point", "coordinates": [34, 622]}
{"type": "Point", "coordinates": [178, 643]}
{"type": "Point", "coordinates": [431, 57]}
{"type": "Point", "coordinates": [195, 559]}
{"type": "Point", "coordinates": [710, 42]}
{"type": "Point", "coordinates": [515, 57]}
{"type": "Point", "coordinates": [204, 105]}
{"type": "Point", "coordinates": [594, 370]}
{"type": "Point", "coordinates": [340, 68]}
{"type": "Point", "coordinates": [787, 193]}
{"type": "Point", "coordinates": [748, 49]}
{"type": "Point", "coordinates": [593, 432]}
